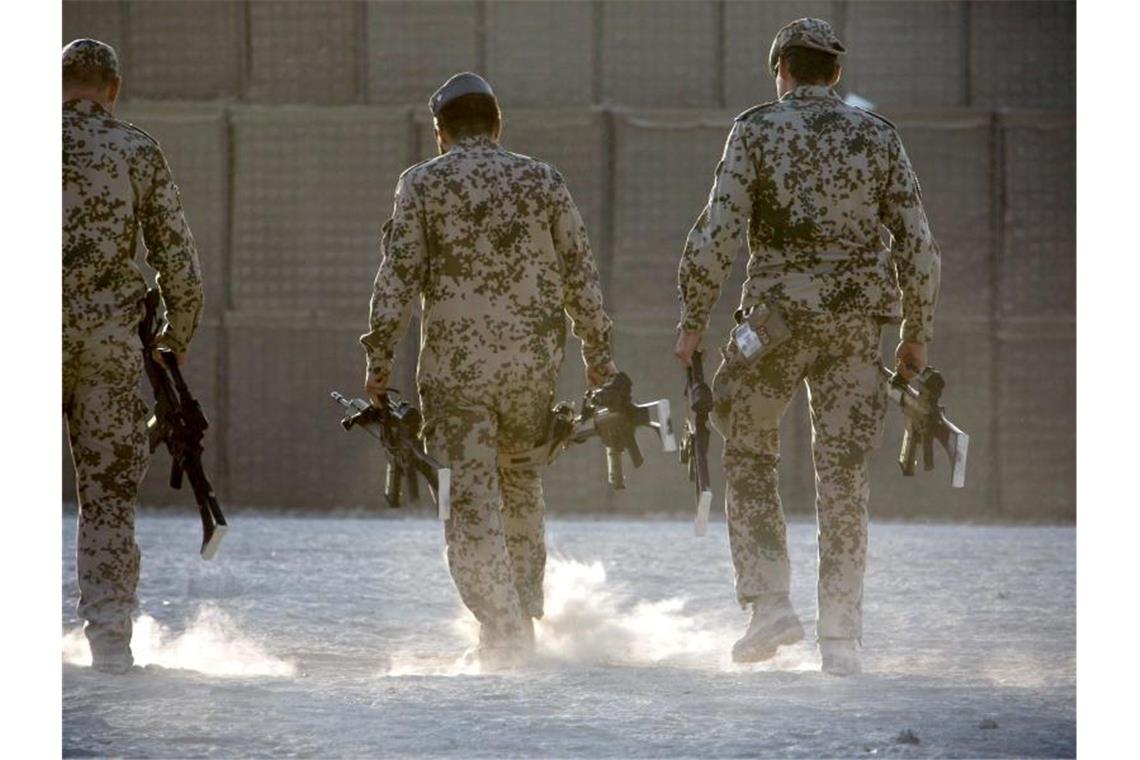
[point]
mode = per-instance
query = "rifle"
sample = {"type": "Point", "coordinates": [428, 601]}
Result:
{"type": "Point", "coordinates": [396, 424]}
{"type": "Point", "coordinates": [608, 413]}
{"type": "Point", "coordinates": [695, 441]}
{"type": "Point", "coordinates": [926, 422]}
{"type": "Point", "coordinates": [179, 422]}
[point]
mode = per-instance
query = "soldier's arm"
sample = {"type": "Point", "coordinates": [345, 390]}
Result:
{"type": "Point", "coordinates": [403, 253]}
{"type": "Point", "coordinates": [715, 238]}
{"type": "Point", "coordinates": [171, 253]}
{"type": "Point", "coordinates": [914, 252]}
{"type": "Point", "coordinates": [582, 288]}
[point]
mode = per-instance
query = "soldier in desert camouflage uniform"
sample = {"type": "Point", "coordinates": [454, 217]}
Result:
{"type": "Point", "coordinates": [116, 184]}
{"type": "Point", "coordinates": [812, 181]}
{"type": "Point", "coordinates": [494, 244]}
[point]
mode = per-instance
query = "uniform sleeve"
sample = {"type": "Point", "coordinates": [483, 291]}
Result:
{"type": "Point", "coordinates": [403, 256]}
{"type": "Point", "coordinates": [582, 289]}
{"type": "Point", "coordinates": [172, 254]}
{"type": "Point", "coordinates": [715, 239]}
{"type": "Point", "coordinates": [914, 252]}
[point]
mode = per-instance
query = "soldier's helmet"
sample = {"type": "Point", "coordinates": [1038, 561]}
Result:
{"type": "Point", "coordinates": [91, 55]}
{"type": "Point", "coordinates": [812, 33]}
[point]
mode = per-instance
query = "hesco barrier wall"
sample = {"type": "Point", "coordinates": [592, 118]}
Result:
{"type": "Point", "coordinates": [286, 125]}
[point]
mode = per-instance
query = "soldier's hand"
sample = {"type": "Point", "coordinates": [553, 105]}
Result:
{"type": "Point", "coordinates": [910, 359]}
{"type": "Point", "coordinates": [687, 342]}
{"type": "Point", "coordinates": [597, 376]}
{"type": "Point", "coordinates": [375, 383]}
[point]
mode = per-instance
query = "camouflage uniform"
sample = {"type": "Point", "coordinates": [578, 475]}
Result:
{"type": "Point", "coordinates": [494, 244]}
{"type": "Point", "coordinates": [813, 181]}
{"type": "Point", "coordinates": [116, 183]}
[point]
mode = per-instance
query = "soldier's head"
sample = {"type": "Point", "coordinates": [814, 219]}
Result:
{"type": "Point", "coordinates": [806, 51]}
{"type": "Point", "coordinates": [91, 71]}
{"type": "Point", "coordinates": [465, 106]}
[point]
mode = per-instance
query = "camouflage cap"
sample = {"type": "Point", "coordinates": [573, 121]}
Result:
{"type": "Point", "coordinates": [91, 54]}
{"type": "Point", "coordinates": [812, 33]}
{"type": "Point", "coordinates": [456, 87]}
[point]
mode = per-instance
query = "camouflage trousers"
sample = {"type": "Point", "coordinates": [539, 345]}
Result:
{"type": "Point", "coordinates": [496, 545]}
{"type": "Point", "coordinates": [105, 416]}
{"type": "Point", "coordinates": [837, 357]}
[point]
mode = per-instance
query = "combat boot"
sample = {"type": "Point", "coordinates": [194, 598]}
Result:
{"type": "Point", "coordinates": [839, 656]}
{"type": "Point", "coordinates": [115, 661]}
{"type": "Point", "coordinates": [773, 625]}
{"type": "Point", "coordinates": [503, 650]}
{"type": "Point", "coordinates": [110, 651]}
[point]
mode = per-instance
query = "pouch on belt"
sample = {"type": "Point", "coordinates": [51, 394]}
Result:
{"type": "Point", "coordinates": [759, 329]}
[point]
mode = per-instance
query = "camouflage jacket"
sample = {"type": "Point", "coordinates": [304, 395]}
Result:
{"type": "Point", "coordinates": [494, 244]}
{"type": "Point", "coordinates": [116, 183]}
{"type": "Point", "coordinates": [814, 181]}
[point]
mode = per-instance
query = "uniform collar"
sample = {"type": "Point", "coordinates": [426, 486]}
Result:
{"type": "Point", "coordinates": [803, 91]}
{"type": "Point", "coordinates": [83, 105]}
{"type": "Point", "coordinates": [474, 142]}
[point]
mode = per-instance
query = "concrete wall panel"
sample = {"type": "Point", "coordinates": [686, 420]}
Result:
{"type": "Point", "coordinates": [193, 51]}
{"type": "Point", "coordinates": [1023, 55]}
{"type": "Point", "coordinates": [1038, 267]}
{"type": "Point", "coordinates": [663, 54]}
{"type": "Point", "coordinates": [311, 190]}
{"type": "Point", "coordinates": [541, 54]}
{"type": "Point", "coordinates": [906, 53]}
{"type": "Point", "coordinates": [305, 52]}
{"type": "Point", "coordinates": [413, 47]}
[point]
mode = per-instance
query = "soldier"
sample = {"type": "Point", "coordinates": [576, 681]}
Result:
{"type": "Point", "coordinates": [494, 244]}
{"type": "Point", "coordinates": [813, 181]}
{"type": "Point", "coordinates": [116, 184]}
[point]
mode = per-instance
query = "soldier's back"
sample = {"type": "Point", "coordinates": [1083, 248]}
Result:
{"type": "Point", "coordinates": [823, 167]}
{"type": "Point", "coordinates": [493, 299]}
{"type": "Point", "coordinates": [108, 166]}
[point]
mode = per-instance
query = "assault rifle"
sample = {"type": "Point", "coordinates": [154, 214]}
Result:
{"type": "Point", "coordinates": [179, 422]}
{"type": "Point", "coordinates": [695, 440]}
{"type": "Point", "coordinates": [926, 423]}
{"type": "Point", "coordinates": [608, 413]}
{"type": "Point", "coordinates": [396, 424]}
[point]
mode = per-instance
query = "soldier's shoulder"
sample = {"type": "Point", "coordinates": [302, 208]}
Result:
{"type": "Point", "coordinates": [136, 135]}
{"type": "Point", "coordinates": [757, 111]}
{"type": "Point", "coordinates": [545, 167]}
{"type": "Point", "coordinates": [417, 170]}
{"type": "Point", "coordinates": [874, 117]}
{"type": "Point", "coordinates": [524, 165]}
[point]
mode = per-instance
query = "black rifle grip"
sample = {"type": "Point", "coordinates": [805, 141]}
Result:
{"type": "Point", "coordinates": [634, 451]}
{"type": "Point", "coordinates": [394, 478]}
{"type": "Point", "coordinates": [413, 485]}
{"type": "Point", "coordinates": [176, 474]}
{"type": "Point", "coordinates": [616, 476]}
